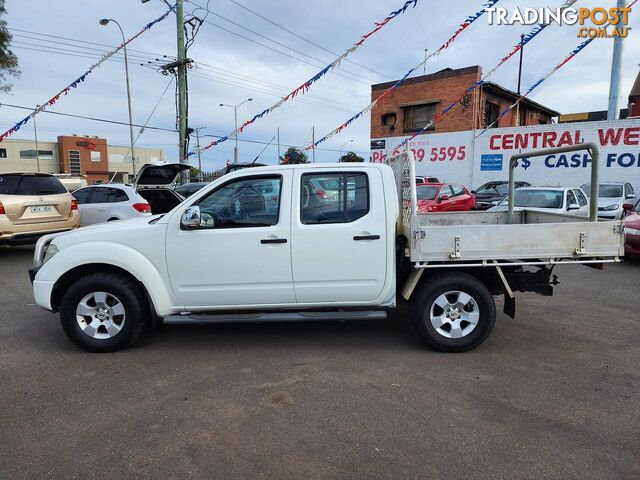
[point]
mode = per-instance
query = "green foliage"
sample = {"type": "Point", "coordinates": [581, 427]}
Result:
{"type": "Point", "coordinates": [351, 157]}
{"type": "Point", "coordinates": [293, 156]}
{"type": "Point", "coordinates": [8, 61]}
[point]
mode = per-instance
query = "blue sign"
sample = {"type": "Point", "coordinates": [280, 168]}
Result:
{"type": "Point", "coordinates": [491, 163]}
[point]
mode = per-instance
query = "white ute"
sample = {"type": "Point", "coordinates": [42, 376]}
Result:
{"type": "Point", "coordinates": [226, 254]}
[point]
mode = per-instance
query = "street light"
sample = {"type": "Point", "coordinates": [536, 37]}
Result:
{"type": "Point", "coordinates": [342, 146]}
{"type": "Point", "coordinates": [235, 114]}
{"type": "Point", "coordinates": [103, 22]}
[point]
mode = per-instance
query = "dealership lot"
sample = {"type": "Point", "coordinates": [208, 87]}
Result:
{"type": "Point", "coordinates": [552, 394]}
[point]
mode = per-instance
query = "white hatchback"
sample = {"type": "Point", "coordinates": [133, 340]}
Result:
{"type": "Point", "coordinates": [104, 203]}
{"type": "Point", "coordinates": [152, 193]}
{"type": "Point", "coordinates": [549, 199]}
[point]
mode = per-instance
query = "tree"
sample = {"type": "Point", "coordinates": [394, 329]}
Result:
{"type": "Point", "coordinates": [351, 157]}
{"type": "Point", "coordinates": [293, 156]}
{"type": "Point", "coordinates": [8, 61]}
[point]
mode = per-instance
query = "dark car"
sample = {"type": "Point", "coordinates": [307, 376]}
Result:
{"type": "Point", "coordinates": [188, 189]}
{"type": "Point", "coordinates": [491, 193]}
{"type": "Point", "coordinates": [232, 167]}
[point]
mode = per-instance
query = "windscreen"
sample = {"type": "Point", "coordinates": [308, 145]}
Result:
{"type": "Point", "coordinates": [536, 199]}
{"type": "Point", "coordinates": [424, 192]}
{"type": "Point", "coordinates": [606, 191]}
{"type": "Point", "coordinates": [30, 185]}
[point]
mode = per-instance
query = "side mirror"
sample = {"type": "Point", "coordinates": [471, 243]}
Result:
{"type": "Point", "coordinates": [630, 196]}
{"type": "Point", "coordinates": [473, 191]}
{"type": "Point", "coordinates": [573, 206]}
{"type": "Point", "coordinates": [443, 197]}
{"type": "Point", "coordinates": [627, 206]}
{"type": "Point", "coordinates": [190, 218]}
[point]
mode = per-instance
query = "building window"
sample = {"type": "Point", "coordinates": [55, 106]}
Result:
{"type": "Point", "coordinates": [96, 156]}
{"type": "Point", "coordinates": [389, 120]}
{"type": "Point", "coordinates": [542, 121]}
{"type": "Point", "coordinates": [491, 112]}
{"type": "Point", "coordinates": [28, 154]}
{"type": "Point", "coordinates": [74, 161]}
{"type": "Point", "coordinates": [418, 116]}
{"type": "Point", "coordinates": [3, 153]}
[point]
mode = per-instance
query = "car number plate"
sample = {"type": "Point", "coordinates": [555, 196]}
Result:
{"type": "Point", "coordinates": [41, 209]}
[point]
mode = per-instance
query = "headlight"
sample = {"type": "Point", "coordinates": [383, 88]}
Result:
{"type": "Point", "coordinates": [609, 208]}
{"type": "Point", "coordinates": [50, 253]}
{"type": "Point", "coordinates": [631, 231]}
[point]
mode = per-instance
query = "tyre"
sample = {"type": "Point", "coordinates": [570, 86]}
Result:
{"type": "Point", "coordinates": [104, 312]}
{"type": "Point", "coordinates": [452, 312]}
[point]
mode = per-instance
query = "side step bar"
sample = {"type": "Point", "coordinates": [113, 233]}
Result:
{"type": "Point", "coordinates": [199, 318]}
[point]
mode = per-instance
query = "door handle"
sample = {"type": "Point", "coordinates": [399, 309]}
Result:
{"type": "Point", "coordinates": [366, 237]}
{"type": "Point", "coordinates": [273, 240]}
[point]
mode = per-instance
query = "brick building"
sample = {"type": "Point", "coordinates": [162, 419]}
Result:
{"type": "Point", "coordinates": [634, 98]}
{"type": "Point", "coordinates": [414, 103]}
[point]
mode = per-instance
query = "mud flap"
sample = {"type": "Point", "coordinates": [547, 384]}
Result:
{"type": "Point", "coordinates": [509, 306]}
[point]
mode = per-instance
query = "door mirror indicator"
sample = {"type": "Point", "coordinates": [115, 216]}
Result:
{"type": "Point", "coordinates": [190, 218]}
{"type": "Point", "coordinates": [443, 197]}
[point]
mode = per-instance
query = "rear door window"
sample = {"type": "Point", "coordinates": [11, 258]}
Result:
{"type": "Point", "coordinates": [457, 190]}
{"type": "Point", "coordinates": [30, 185]}
{"type": "Point", "coordinates": [116, 195]}
{"type": "Point", "coordinates": [333, 197]}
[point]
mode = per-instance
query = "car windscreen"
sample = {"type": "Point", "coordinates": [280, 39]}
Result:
{"type": "Point", "coordinates": [536, 198]}
{"type": "Point", "coordinates": [424, 192]}
{"type": "Point", "coordinates": [30, 185]}
{"type": "Point", "coordinates": [606, 191]}
{"type": "Point", "coordinates": [494, 189]}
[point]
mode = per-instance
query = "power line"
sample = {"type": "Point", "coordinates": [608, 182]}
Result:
{"type": "Point", "coordinates": [314, 100]}
{"type": "Point", "coordinates": [274, 41]}
{"type": "Point", "coordinates": [110, 47]}
{"type": "Point", "coordinates": [283, 53]}
{"type": "Point", "coordinates": [306, 39]}
{"type": "Point", "coordinates": [147, 127]}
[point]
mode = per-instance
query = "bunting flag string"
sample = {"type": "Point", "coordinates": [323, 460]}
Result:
{"type": "Point", "coordinates": [537, 83]}
{"type": "Point", "coordinates": [304, 88]}
{"type": "Point", "coordinates": [526, 39]}
{"type": "Point", "coordinates": [65, 91]}
{"type": "Point", "coordinates": [463, 26]}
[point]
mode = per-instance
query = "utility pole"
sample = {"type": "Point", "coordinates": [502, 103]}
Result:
{"type": "Point", "coordinates": [613, 111]}
{"type": "Point", "coordinates": [278, 144]}
{"type": "Point", "coordinates": [235, 122]}
{"type": "Point", "coordinates": [182, 83]}
{"type": "Point", "coordinates": [313, 144]}
{"type": "Point", "coordinates": [520, 67]}
{"type": "Point", "coordinates": [35, 133]}
{"type": "Point", "coordinates": [197, 130]}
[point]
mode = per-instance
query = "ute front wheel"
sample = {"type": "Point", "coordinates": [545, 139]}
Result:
{"type": "Point", "coordinates": [103, 312]}
{"type": "Point", "coordinates": [453, 312]}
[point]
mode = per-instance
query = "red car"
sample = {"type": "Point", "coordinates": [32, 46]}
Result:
{"type": "Point", "coordinates": [632, 229]}
{"type": "Point", "coordinates": [444, 197]}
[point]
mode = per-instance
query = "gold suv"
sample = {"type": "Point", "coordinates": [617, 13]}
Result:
{"type": "Point", "coordinates": [32, 205]}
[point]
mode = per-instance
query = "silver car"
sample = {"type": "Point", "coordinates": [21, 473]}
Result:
{"type": "Point", "coordinates": [611, 197]}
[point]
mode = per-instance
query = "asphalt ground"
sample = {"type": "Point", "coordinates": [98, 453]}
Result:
{"type": "Point", "coordinates": [553, 394]}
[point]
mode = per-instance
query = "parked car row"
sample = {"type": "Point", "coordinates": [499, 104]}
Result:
{"type": "Point", "coordinates": [35, 204]}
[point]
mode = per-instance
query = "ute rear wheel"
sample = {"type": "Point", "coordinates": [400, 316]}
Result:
{"type": "Point", "coordinates": [104, 312]}
{"type": "Point", "coordinates": [452, 312]}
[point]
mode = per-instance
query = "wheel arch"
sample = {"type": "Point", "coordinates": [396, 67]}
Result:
{"type": "Point", "coordinates": [80, 271]}
{"type": "Point", "coordinates": [418, 278]}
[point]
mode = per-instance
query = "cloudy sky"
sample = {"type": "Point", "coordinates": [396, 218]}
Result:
{"type": "Point", "coordinates": [239, 55]}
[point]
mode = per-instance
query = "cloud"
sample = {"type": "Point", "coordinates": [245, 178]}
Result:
{"type": "Point", "coordinates": [230, 69]}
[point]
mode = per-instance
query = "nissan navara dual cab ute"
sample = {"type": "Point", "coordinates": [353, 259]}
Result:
{"type": "Point", "coordinates": [255, 246]}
